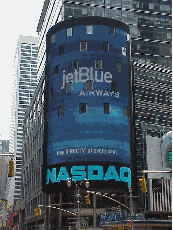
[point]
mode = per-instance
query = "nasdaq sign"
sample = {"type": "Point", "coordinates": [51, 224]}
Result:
{"type": "Point", "coordinates": [91, 172]}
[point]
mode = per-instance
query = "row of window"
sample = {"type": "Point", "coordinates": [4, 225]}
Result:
{"type": "Point", "coordinates": [83, 47]}
{"type": "Point", "coordinates": [83, 109]}
{"type": "Point", "coordinates": [98, 65]}
{"type": "Point", "coordinates": [89, 87]}
{"type": "Point", "coordinates": [88, 30]}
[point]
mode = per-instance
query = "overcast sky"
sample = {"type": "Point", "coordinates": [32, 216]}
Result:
{"type": "Point", "coordinates": [17, 17]}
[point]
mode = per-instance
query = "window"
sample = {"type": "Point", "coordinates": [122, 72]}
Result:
{"type": "Point", "coordinates": [89, 85]}
{"type": "Point", "coordinates": [105, 46]}
{"type": "Point", "coordinates": [126, 111]}
{"type": "Point", "coordinates": [60, 111]}
{"type": "Point", "coordinates": [82, 107]}
{"type": "Point", "coordinates": [83, 46]}
{"type": "Point", "coordinates": [124, 51]}
{"type": "Point", "coordinates": [113, 87]}
{"type": "Point", "coordinates": [56, 69]}
{"type": "Point", "coordinates": [53, 38]}
{"type": "Point", "coordinates": [84, 10]}
{"type": "Point", "coordinates": [74, 65]}
{"type": "Point", "coordinates": [51, 92]}
{"type": "Point", "coordinates": [119, 66]}
{"type": "Point", "coordinates": [69, 32]}
{"type": "Point", "coordinates": [69, 87]}
{"type": "Point", "coordinates": [49, 57]}
{"type": "Point", "coordinates": [112, 31]}
{"type": "Point", "coordinates": [98, 64]}
{"type": "Point", "coordinates": [89, 29]}
{"type": "Point", "coordinates": [106, 108]}
{"type": "Point", "coordinates": [61, 50]}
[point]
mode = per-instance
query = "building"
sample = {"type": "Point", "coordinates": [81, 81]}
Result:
{"type": "Point", "coordinates": [25, 82]}
{"type": "Point", "coordinates": [4, 148]}
{"type": "Point", "coordinates": [152, 92]}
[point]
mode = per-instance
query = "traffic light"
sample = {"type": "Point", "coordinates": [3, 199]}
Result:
{"type": "Point", "coordinates": [143, 184]}
{"type": "Point", "coordinates": [87, 199]}
{"type": "Point", "coordinates": [35, 212]}
{"type": "Point", "coordinates": [11, 168]}
{"type": "Point", "coordinates": [6, 205]}
{"type": "Point", "coordinates": [39, 211]}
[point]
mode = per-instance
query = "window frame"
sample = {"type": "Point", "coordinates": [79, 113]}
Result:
{"type": "Point", "coordinates": [82, 42]}
{"type": "Point", "coordinates": [71, 88]}
{"type": "Point", "coordinates": [80, 109]}
{"type": "Point", "coordinates": [73, 68]}
{"type": "Point", "coordinates": [105, 111]}
{"type": "Point", "coordinates": [104, 43]}
{"type": "Point", "coordinates": [96, 60]}
{"type": "Point", "coordinates": [69, 32]}
{"type": "Point", "coordinates": [87, 29]}
{"type": "Point", "coordinates": [110, 31]}
{"type": "Point", "coordinates": [59, 112]}
{"type": "Point", "coordinates": [61, 48]}
{"type": "Point", "coordinates": [111, 87]}
{"type": "Point", "coordinates": [87, 85]}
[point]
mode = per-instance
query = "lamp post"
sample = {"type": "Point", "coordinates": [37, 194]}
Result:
{"type": "Point", "coordinates": [69, 182]}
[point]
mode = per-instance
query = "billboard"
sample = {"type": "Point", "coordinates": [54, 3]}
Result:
{"type": "Point", "coordinates": [88, 102]}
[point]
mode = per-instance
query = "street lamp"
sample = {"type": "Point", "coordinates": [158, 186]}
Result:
{"type": "Point", "coordinates": [69, 183]}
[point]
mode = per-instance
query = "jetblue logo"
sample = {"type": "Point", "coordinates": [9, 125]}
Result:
{"type": "Point", "coordinates": [95, 173]}
{"type": "Point", "coordinates": [84, 74]}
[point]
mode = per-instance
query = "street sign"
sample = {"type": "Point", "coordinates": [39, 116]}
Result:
{"type": "Point", "coordinates": [129, 224]}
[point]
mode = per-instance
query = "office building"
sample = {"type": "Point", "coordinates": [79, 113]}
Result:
{"type": "Point", "coordinates": [150, 31]}
{"type": "Point", "coordinates": [4, 148]}
{"type": "Point", "coordinates": [25, 82]}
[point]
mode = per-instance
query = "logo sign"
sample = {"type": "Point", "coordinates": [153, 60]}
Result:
{"type": "Point", "coordinates": [113, 217]}
{"type": "Point", "coordinates": [84, 74]}
{"type": "Point", "coordinates": [91, 172]}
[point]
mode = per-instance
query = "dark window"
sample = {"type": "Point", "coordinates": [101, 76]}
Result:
{"type": "Point", "coordinates": [69, 87]}
{"type": "Point", "coordinates": [98, 64]}
{"type": "Point", "coordinates": [56, 69]}
{"type": "Point", "coordinates": [61, 50]}
{"type": "Point", "coordinates": [119, 66]}
{"type": "Point", "coordinates": [83, 46]}
{"type": "Point", "coordinates": [105, 46]}
{"type": "Point", "coordinates": [126, 111]}
{"type": "Point", "coordinates": [51, 92]}
{"type": "Point", "coordinates": [89, 85]}
{"type": "Point", "coordinates": [82, 107]}
{"type": "Point", "coordinates": [69, 32]}
{"type": "Point", "coordinates": [106, 108]}
{"type": "Point", "coordinates": [61, 111]}
{"type": "Point", "coordinates": [74, 65]}
{"type": "Point", "coordinates": [112, 31]}
{"type": "Point", "coordinates": [113, 86]}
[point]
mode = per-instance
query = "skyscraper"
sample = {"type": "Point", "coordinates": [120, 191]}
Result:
{"type": "Point", "coordinates": [25, 82]}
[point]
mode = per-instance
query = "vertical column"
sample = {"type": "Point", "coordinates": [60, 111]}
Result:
{"type": "Point", "coordinates": [60, 214]}
{"type": "Point", "coordinates": [94, 211]}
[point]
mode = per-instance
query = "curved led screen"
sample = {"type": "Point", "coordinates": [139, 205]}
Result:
{"type": "Point", "coordinates": [88, 100]}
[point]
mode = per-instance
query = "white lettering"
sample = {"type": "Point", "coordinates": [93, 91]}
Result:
{"type": "Point", "coordinates": [99, 92]}
{"type": "Point", "coordinates": [96, 79]}
{"type": "Point", "coordinates": [63, 81]}
{"type": "Point", "coordinates": [82, 93]}
{"type": "Point", "coordinates": [69, 77]}
{"type": "Point", "coordinates": [85, 74]}
{"type": "Point", "coordinates": [107, 75]}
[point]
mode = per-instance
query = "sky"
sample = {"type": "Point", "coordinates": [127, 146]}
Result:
{"type": "Point", "coordinates": [17, 17]}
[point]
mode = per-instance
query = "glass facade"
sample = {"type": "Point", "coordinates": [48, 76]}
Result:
{"type": "Point", "coordinates": [25, 82]}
